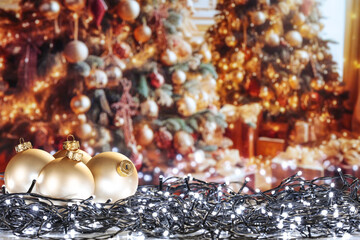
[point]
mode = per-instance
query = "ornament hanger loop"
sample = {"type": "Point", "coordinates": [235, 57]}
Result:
{"type": "Point", "coordinates": [21, 140]}
{"type": "Point", "coordinates": [71, 144]}
{"type": "Point", "coordinates": [70, 136]}
{"type": "Point", "coordinates": [22, 146]}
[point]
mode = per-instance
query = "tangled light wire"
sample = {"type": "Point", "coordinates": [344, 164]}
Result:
{"type": "Point", "coordinates": [190, 208]}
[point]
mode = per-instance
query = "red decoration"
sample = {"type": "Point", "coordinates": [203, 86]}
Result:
{"type": "Point", "coordinates": [98, 9]}
{"type": "Point", "coordinates": [122, 50]}
{"type": "Point", "coordinates": [163, 138]}
{"type": "Point", "coordinates": [253, 87]}
{"type": "Point", "coordinates": [156, 79]}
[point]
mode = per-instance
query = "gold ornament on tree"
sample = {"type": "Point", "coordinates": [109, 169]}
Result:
{"type": "Point", "coordinates": [149, 108]}
{"type": "Point", "coordinates": [76, 51]}
{"type": "Point", "coordinates": [294, 38]}
{"type": "Point", "coordinates": [168, 57]}
{"type": "Point", "coordinates": [178, 77]}
{"type": "Point", "coordinates": [80, 104]}
{"type": "Point", "coordinates": [72, 145]}
{"type": "Point", "coordinates": [128, 10]}
{"type": "Point", "coordinates": [97, 79]}
{"type": "Point", "coordinates": [144, 135]}
{"type": "Point", "coordinates": [84, 131]}
{"type": "Point", "coordinates": [24, 167]}
{"type": "Point", "coordinates": [115, 176]}
{"type": "Point", "coordinates": [66, 178]}
{"type": "Point", "coordinates": [142, 33]}
{"type": "Point", "coordinates": [230, 40]}
{"type": "Point", "coordinates": [75, 5]}
{"type": "Point", "coordinates": [258, 18]}
{"type": "Point", "coordinates": [272, 39]}
{"type": "Point", "coordinates": [50, 9]}
{"type": "Point", "coordinates": [186, 106]}
{"type": "Point", "coordinates": [183, 142]}
{"type": "Point", "coordinates": [317, 84]}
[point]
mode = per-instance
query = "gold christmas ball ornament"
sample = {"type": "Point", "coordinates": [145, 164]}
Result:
{"type": "Point", "coordinates": [66, 178]}
{"type": "Point", "coordinates": [76, 51]}
{"type": "Point", "coordinates": [149, 108]}
{"type": "Point", "coordinates": [238, 76]}
{"type": "Point", "coordinates": [294, 82]}
{"type": "Point", "coordinates": [307, 31]}
{"type": "Point", "coordinates": [317, 84]}
{"type": "Point", "coordinates": [24, 167]}
{"type": "Point", "coordinates": [128, 10]}
{"type": "Point", "coordinates": [302, 56]}
{"type": "Point", "coordinates": [298, 19]}
{"type": "Point", "coordinates": [80, 104]}
{"type": "Point", "coordinates": [142, 33]}
{"type": "Point", "coordinates": [238, 57]}
{"type": "Point", "coordinates": [50, 9]}
{"type": "Point", "coordinates": [294, 38]}
{"type": "Point", "coordinates": [186, 106]}
{"type": "Point", "coordinates": [183, 142]}
{"type": "Point", "coordinates": [272, 39]}
{"type": "Point", "coordinates": [168, 57]}
{"type": "Point", "coordinates": [144, 135]}
{"type": "Point", "coordinates": [84, 131]}
{"type": "Point", "coordinates": [293, 102]}
{"type": "Point", "coordinates": [284, 8]}
{"type": "Point", "coordinates": [223, 30]}
{"type": "Point", "coordinates": [114, 74]}
{"type": "Point", "coordinates": [231, 41]}
{"type": "Point", "coordinates": [258, 18]}
{"type": "Point", "coordinates": [178, 77]}
{"type": "Point", "coordinates": [115, 176]}
{"type": "Point", "coordinates": [75, 5]}
{"type": "Point", "coordinates": [98, 79]}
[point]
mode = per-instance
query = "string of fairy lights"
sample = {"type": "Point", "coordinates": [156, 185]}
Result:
{"type": "Point", "coordinates": [190, 208]}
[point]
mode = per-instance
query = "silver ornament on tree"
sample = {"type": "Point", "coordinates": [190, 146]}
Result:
{"type": "Point", "coordinates": [178, 77]}
{"type": "Point", "coordinates": [149, 108]}
{"type": "Point", "coordinates": [76, 51]}
{"type": "Point", "coordinates": [97, 79]}
{"type": "Point", "coordinates": [24, 167]}
{"type": "Point", "coordinates": [294, 38]}
{"type": "Point", "coordinates": [128, 10]}
{"type": "Point", "coordinates": [115, 176]}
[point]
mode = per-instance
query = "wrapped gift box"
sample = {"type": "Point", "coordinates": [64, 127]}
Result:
{"type": "Point", "coordinates": [266, 146]}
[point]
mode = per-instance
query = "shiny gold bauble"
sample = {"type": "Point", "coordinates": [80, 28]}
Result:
{"type": "Point", "coordinates": [142, 33]}
{"type": "Point", "coordinates": [294, 38]}
{"type": "Point", "coordinates": [66, 179]}
{"type": "Point", "coordinates": [223, 64]}
{"type": "Point", "coordinates": [80, 104]}
{"type": "Point", "coordinates": [223, 30]}
{"type": "Point", "coordinates": [144, 135]}
{"type": "Point", "coordinates": [115, 176]}
{"type": "Point", "coordinates": [75, 5]}
{"type": "Point", "coordinates": [84, 131]}
{"type": "Point", "coordinates": [284, 8]}
{"type": "Point", "coordinates": [298, 19]}
{"type": "Point", "coordinates": [114, 74]}
{"type": "Point", "coordinates": [272, 39]}
{"type": "Point", "coordinates": [98, 79]}
{"type": "Point", "coordinates": [183, 142]}
{"type": "Point", "coordinates": [293, 102]}
{"type": "Point", "coordinates": [238, 76]}
{"type": "Point", "coordinates": [317, 84]}
{"type": "Point", "coordinates": [76, 51]}
{"type": "Point", "coordinates": [50, 9]}
{"type": "Point", "coordinates": [186, 106]}
{"type": "Point", "coordinates": [307, 31]}
{"type": "Point", "coordinates": [62, 153]}
{"type": "Point", "coordinates": [294, 82]}
{"type": "Point", "coordinates": [302, 56]}
{"type": "Point", "coordinates": [258, 18]}
{"type": "Point", "coordinates": [23, 168]}
{"type": "Point", "coordinates": [128, 10]}
{"type": "Point", "coordinates": [168, 57]}
{"type": "Point", "coordinates": [149, 108]}
{"type": "Point", "coordinates": [178, 77]}
{"type": "Point", "coordinates": [216, 56]}
{"type": "Point", "coordinates": [230, 40]}
{"type": "Point", "coordinates": [266, 93]}
{"type": "Point", "coordinates": [236, 24]}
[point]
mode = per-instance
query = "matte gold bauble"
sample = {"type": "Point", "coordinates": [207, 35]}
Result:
{"type": "Point", "coordinates": [115, 176]}
{"type": "Point", "coordinates": [75, 5]}
{"type": "Point", "coordinates": [62, 153]}
{"type": "Point", "coordinates": [84, 131]}
{"type": "Point", "coordinates": [144, 135]}
{"type": "Point", "coordinates": [258, 18]}
{"type": "Point", "coordinates": [168, 57]}
{"type": "Point", "coordinates": [230, 41]}
{"type": "Point", "coordinates": [149, 108]}
{"type": "Point", "coordinates": [98, 79]}
{"type": "Point", "coordinates": [76, 51]}
{"type": "Point", "coordinates": [66, 179]}
{"type": "Point", "coordinates": [80, 104]}
{"type": "Point", "coordinates": [298, 19]}
{"type": "Point", "coordinates": [128, 10]}
{"type": "Point", "coordinates": [23, 168]}
{"type": "Point", "coordinates": [272, 39]}
{"type": "Point", "coordinates": [178, 77]}
{"type": "Point", "coordinates": [183, 142]}
{"type": "Point", "coordinates": [50, 9]}
{"type": "Point", "coordinates": [142, 33]}
{"type": "Point", "coordinates": [294, 38]}
{"type": "Point", "coordinates": [294, 82]}
{"type": "Point", "coordinates": [186, 106]}
{"type": "Point", "coordinates": [317, 84]}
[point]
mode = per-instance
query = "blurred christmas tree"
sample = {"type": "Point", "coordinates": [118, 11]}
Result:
{"type": "Point", "coordinates": [65, 66]}
{"type": "Point", "coordinates": [269, 51]}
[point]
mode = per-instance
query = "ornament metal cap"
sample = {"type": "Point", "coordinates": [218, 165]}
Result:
{"type": "Point", "coordinates": [71, 145]}
{"type": "Point", "coordinates": [23, 146]}
{"type": "Point", "coordinates": [74, 155]}
{"type": "Point", "coordinates": [125, 168]}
